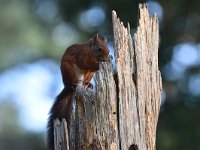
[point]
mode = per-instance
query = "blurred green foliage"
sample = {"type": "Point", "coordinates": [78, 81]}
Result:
{"type": "Point", "coordinates": [31, 30]}
{"type": "Point", "coordinates": [178, 127]}
{"type": "Point", "coordinates": [12, 135]}
{"type": "Point", "coordinates": [22, 36]}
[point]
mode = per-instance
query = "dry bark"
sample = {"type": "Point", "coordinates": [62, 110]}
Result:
{"type": "Point", "coordinates": [139, 80]}
{"type": "Point", "coordinates": [122, 113]}
{"type": "Point", "coordinates": [61, 139]}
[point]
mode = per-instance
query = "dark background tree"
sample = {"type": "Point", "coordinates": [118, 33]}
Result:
{"type": "Point", "coordinates": [36, 32]}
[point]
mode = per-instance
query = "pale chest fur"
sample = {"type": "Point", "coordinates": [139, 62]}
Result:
{"type": "Point", "coordinates": [79, 73]}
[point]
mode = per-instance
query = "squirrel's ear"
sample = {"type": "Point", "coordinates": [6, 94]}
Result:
{"type": "Point", "coordinates": [96, 38]}
{"type": "Point", "coordinates": [104, 40]}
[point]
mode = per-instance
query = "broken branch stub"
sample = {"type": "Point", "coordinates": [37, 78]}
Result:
{"type": "Point", "coordinates": [123, 113]}
{"type": "Point", "coordinates": [139, 80]}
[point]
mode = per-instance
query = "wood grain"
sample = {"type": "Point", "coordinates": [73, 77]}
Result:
{"type": "Point", "coordinates": [123, 112]}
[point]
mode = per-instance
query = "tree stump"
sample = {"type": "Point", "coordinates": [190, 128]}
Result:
{"type": "Point", "coordinates": [123, 112]}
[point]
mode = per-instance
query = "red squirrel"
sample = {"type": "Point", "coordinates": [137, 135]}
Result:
{"type": "Point", "coordinates": [78, 65]}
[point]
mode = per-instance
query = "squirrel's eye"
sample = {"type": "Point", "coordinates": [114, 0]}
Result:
{"type": "Point", "coordinates": [100, 49]}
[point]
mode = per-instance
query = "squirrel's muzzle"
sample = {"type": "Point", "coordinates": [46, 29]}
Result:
{"type": "Point", "coordinates": [101, 59]}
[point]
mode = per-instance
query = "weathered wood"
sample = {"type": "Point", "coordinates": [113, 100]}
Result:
{"type": "Point", "coordinates": [106, 105]}
{"type": "Point", "coordinates": [139, 81]}
{"type": "Point", "coordinates": [121, 114]}
{"type": "Point", "coordinates": [61, 133]}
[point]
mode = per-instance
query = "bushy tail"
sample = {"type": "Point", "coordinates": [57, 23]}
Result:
{"type": "Point", "coordinates": [60, 109]}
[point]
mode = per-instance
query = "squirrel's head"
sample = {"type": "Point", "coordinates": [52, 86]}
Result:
{"type": "Point", "coordinates": [99, 48]}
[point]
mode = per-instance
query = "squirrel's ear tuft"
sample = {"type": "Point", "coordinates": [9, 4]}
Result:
{"type": "Point", "coordinates": [96, 38]}
{"type": "Point", "coordinates": [104, 40]}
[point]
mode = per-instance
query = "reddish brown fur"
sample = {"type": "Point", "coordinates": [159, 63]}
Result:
{"type": "Point", "coordinates": [85, 57]}
{"type": "Point", "coordinates": [79, 60]}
